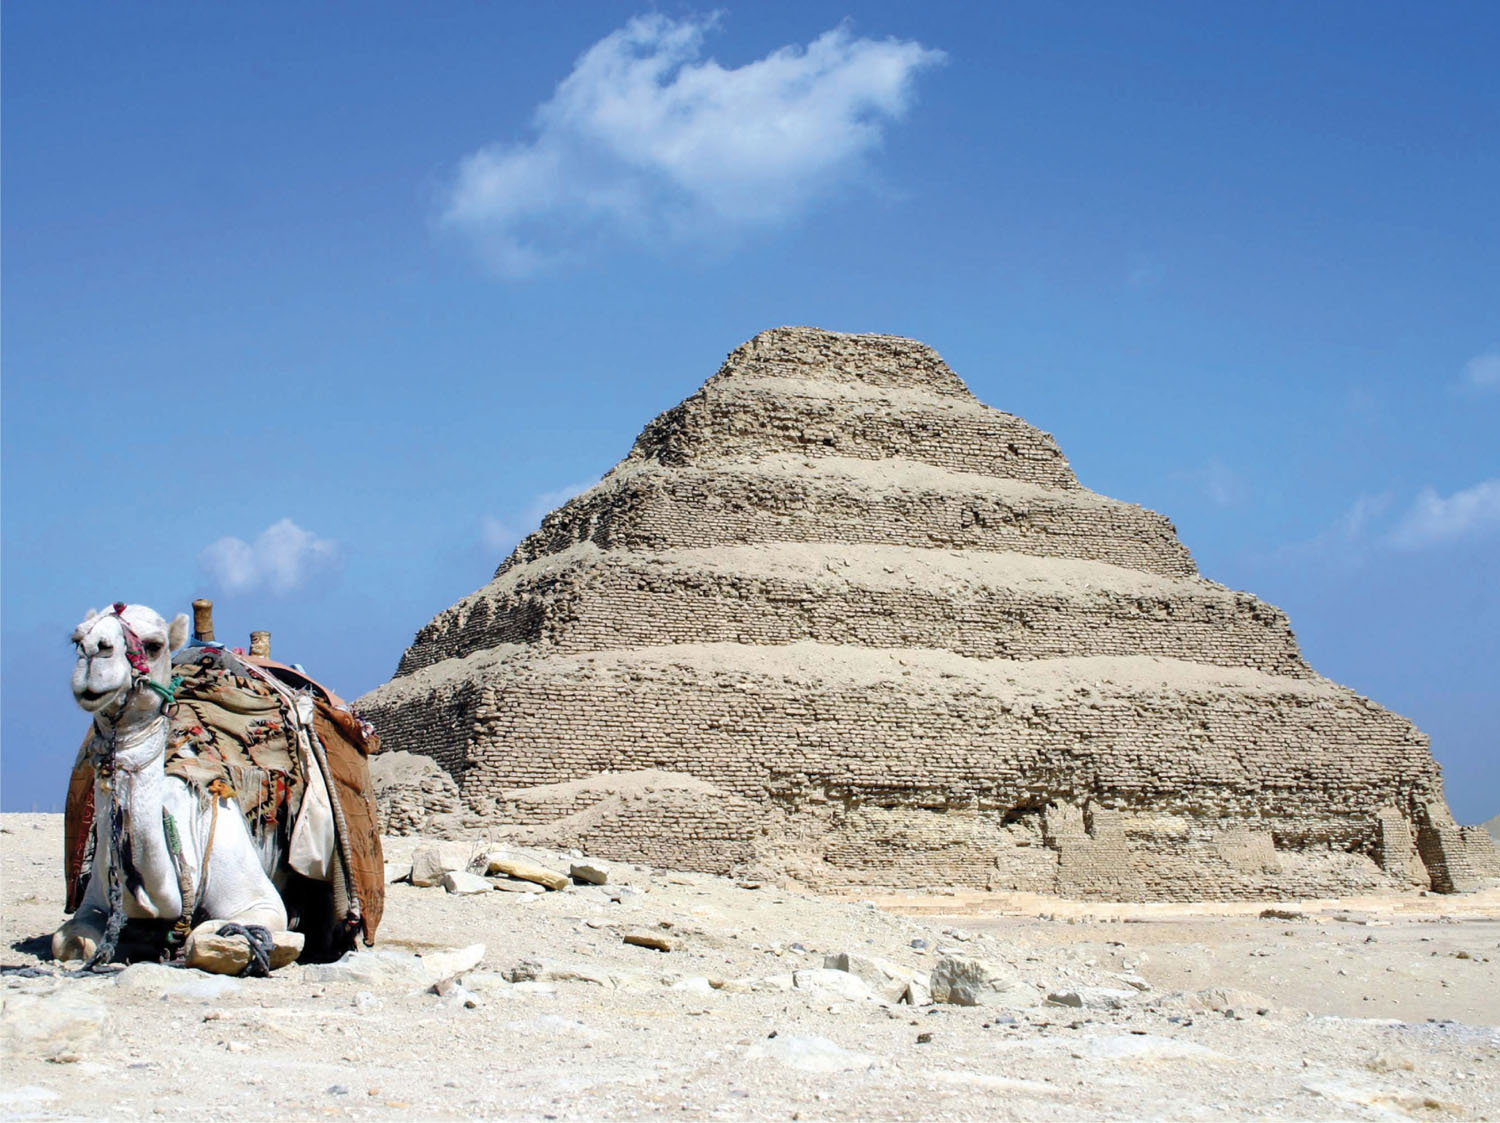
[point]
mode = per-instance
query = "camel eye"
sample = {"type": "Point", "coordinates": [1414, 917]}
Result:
{"type": "Point", "coordinates": [153, 648]}
{"type": "Point", "coordinates": [105, 647]}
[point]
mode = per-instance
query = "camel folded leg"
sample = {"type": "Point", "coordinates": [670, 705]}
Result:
{"type": "Point", "coordinates": [239, 897]}
{"type": "Point", "coordinates": [80, 936]}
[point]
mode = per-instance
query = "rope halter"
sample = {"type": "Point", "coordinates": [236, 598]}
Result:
{"type": "Point", "coordinates": [140, 667]}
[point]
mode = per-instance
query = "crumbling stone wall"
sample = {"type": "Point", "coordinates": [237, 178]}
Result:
{"type": "Point", "coordinates": [901, 646]}
{"type": "Point", "coordinates": [413, 795]}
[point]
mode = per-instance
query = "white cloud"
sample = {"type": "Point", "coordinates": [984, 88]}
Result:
{"type": "Point", "coordinates": [1483, 371]}
{"type": "Point", "coordinates": [1346, 540]}
{"type": "Point", "coordinates": [283, 557]}
{"type": "Point", "coordinates": [1429, 521]}
{"type": "Point", "coordinates": [645, 141]}
{"type": "Point", "coordinates": [1433, 520]}
{"type": "Point", "coordinates": [1220, 484]}
{"type": "Point", "coordinates": [500, 536]}
{"type": "Point", "coordinates": [1361, 516]}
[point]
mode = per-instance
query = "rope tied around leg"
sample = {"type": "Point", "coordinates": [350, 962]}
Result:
{"type": "Point", "coordinates": [261, 942]}
{"type": "Point", "coordinates": [105, 952]}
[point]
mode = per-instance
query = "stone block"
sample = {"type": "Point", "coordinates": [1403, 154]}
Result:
{"type": "Point", "coordinates": [429, 863]}
{"type": "Point", "coordinates": [503, 863]}
{"type": "Point", "coordinates": [965, 981]}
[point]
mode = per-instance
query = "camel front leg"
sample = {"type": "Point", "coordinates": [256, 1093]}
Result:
{"type": "Point", "coordinates": [81, 935]}
{"type": "Point", "coordinates": [239, 897]}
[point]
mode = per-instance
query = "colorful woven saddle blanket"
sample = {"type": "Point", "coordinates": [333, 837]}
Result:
{"type": "Point", "coordinates": [231, 726]}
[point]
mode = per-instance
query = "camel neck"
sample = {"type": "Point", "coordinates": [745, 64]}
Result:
{"type": "Point", "coordinates": [134, 742]}
{"type": "Point", "coordinates": [136, 778]}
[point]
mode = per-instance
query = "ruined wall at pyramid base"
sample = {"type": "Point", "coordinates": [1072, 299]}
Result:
{"type": "Point", "coordinates": [1111, 777]}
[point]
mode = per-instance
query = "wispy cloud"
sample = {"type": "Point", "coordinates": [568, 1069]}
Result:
{"type": "Point", "coordinates": [1376, 522]}
{"type": "Point", "coordinates": [500, 536]}
{"type": "Point", "coordinates": [1433, 520]}
{"type": "Point", "coordinates": [1483, 371]}
{"type": "Point", "coordinates": [1220, 484]}
{"type": "Point", "coordinates": [1347, 539]}
{"type": "Point", "coordinates": [645, 141]}
{"type": "Point", "coordinates": [283, 558]}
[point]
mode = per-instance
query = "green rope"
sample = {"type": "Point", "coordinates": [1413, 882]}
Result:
{"type": "Point", "coordinates": [184, 923]}
{"type": "Point", "coordinates": [169, 692]}
{"type": "Point", "coordinates": [174, 840]}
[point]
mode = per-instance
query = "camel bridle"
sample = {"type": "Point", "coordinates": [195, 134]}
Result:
{"type": "Point", "coordinates": [140, 666]}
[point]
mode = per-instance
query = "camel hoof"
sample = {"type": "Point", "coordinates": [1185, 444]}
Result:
{"type": "Point", "coordinates": [72, 945]}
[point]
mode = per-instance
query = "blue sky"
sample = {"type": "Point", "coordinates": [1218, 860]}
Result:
{"type": "Point", "coordinates": [315, 309]}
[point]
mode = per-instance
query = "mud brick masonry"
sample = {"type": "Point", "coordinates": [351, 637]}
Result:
{"type": "Point", "coordinates": [834, 620]}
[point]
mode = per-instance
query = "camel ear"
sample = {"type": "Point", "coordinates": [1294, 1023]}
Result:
{"type": "Point", "coordinates": [177, 631]}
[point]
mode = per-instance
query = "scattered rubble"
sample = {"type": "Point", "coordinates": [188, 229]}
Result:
{"type": "Point", "coordinates": [769, 1000]}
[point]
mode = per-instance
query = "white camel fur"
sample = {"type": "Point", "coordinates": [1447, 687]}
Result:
{"type": "Point", "coordinates": [233, 888]}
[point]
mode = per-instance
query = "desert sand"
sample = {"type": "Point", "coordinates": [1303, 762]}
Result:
{"type": "Point", "coordinates": [531, 1005]}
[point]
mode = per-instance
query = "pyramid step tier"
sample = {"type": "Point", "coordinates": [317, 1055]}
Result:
{"type": "Point", "coordinates": [1305, 758]}
{"type": "Point", "coordinates": [645, 507]}
{"type": "Point", "coordinates": [796, 355]}
{"type": "Point", "coordinates": [983, 605]}
{"type": "Point", "coordinates": [751, 417]}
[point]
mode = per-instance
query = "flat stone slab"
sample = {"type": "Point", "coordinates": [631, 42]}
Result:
{"type": "Point", "coordinates": [464, 884]}
{"type": "Point", "coordinates": [654, 940]}
{"type": "Point", "coordinates": [526, 871]}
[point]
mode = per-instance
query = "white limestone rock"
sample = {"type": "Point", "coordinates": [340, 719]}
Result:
{"type": "Point", "coordinates": [452, 961]}
{"type": "Point", "coordinates": [154, 978]}
{"type": "Point", "coordinates": [380, 967]}
{"type": "Point", "coordinates": [824, 984]}
{"type": "Point", "coordinates": [589, 872]}
{"type": "Point", "coordinates": [462, 883]}
{"type": "Point", "coordinates": [965, 981]}
{"type": "Point", "coordinates": [388, 967]}
{"type": "Point", "coordinates": [887, 979]}
{"type": "Point", "coordinates": [429, 863]}
{"type": "Point", "coordinates": [1093, 998]}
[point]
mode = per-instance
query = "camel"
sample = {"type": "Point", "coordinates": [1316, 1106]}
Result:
{"type": "Point", "coordinates": [163, 849]}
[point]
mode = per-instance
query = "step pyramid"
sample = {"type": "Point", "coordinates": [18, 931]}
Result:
{"type": "Point", "coordinates": [836, 621]}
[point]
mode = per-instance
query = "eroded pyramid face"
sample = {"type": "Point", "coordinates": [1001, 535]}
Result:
{"type": "Point", "coordinates": [834, 618]}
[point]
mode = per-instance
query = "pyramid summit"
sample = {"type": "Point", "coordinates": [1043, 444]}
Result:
{"type": "Point", "coordinates": [833, 619]}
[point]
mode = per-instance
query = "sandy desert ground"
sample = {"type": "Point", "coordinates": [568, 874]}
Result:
{"type": "Point", "coordinates": [1374, 1008]}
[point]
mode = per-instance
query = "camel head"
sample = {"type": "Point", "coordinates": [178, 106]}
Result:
{"type": "Point", "coordinates": [119, 646]}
